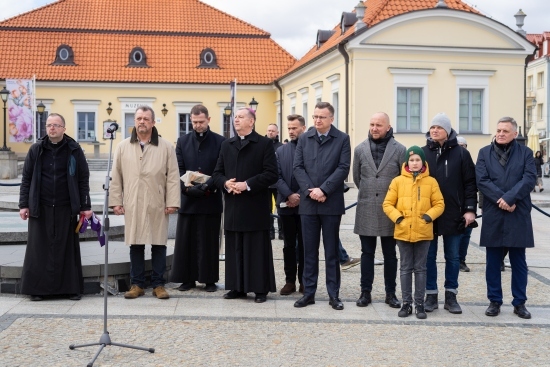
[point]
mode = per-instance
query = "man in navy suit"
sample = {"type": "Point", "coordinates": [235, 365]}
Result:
{"type": "Point", "coordinates": [321, 164]}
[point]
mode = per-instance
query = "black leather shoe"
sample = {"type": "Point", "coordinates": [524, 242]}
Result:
{"type": "Point", "coordinates": [336, 303]}
{"type": "Point", "coordinates": [260, 297]}
{"type": "Point", "coordinates": [392, 300]}
{"type": "Point", "coordinates": [210, 287]}
{"type": "Point", "coordinates": [186, 286]}
{"type": "Point", "coordinates": [305, 301]}
{"type": "Point", "coordinates": [234, 294]}
{"type": "Point", "coordinates": [493, 309]}
{"type": "Point", "coordinates": [364, 299]}
{"type": "Point", "coordinates": [36, 298]}
{"type": "Point", "coordinates": [75, 297]}
{"type": "Point", "coordinates": [522, 312]}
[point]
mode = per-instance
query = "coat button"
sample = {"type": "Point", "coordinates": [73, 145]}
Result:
{"type": "Point", "coordinates": [376, 176]}
{"type": "Point", "coordinates": [376, 194]}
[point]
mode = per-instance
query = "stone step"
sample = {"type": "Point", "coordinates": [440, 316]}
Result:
{"type": "Point", "coordinates": [98, 164]}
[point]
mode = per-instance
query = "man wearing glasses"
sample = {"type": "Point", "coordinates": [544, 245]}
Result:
{"type": "Point", "coordinates": [54, 190]}
{"type": "Point", "coordinates": [321, 164]}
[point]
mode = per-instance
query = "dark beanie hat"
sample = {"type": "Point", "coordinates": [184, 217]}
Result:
{"type": "Point", "coordinates": [415, 150]}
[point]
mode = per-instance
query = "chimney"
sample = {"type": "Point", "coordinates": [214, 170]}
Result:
{"type": "Point", "coordinates": [441, 4]}
{"type": "Point", "coordinates": [520, 16]}
{"type": "Point", "coordinates": [360, 14]}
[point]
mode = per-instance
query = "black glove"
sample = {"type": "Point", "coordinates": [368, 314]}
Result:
{"type": "Point", "coordinates": [197, 191]}
{"type": "Point", "coordinates": [399, 220]}
{"type": "Point", "coordinates": [427, 218]}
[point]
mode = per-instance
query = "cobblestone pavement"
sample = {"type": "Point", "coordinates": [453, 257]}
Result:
{"type": "Point", "coordinates": [200, 328]}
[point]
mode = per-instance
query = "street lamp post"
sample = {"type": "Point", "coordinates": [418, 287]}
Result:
{"type": "Point", "coordinates": [253, 104]}
{"type": "Point", "coordinates": [4, 94]}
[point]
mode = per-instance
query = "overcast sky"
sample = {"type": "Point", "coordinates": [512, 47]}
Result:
{"type": "Point", "coordinates": [294, 23]}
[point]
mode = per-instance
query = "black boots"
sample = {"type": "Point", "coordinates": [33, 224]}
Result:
{"type": "Point", "coordinates": [431, 302]}
{"type": "Point", "coordinates": [451, 304]}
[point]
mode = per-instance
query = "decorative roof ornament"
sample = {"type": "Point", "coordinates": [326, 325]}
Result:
{"type": "Point", "coordinates": [441, 4]}
{"type": "Point", "coordinates": [360, 13]}
{"type": "Point", "coordinates": [520, 16]}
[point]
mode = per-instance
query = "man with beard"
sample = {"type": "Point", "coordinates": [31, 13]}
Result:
{"type": "Point", "coordinates": [377, 161]}
{"type": "Point", "coordinates": [288, 201]}
{"type": "Point", "coordinates": [454, 170]}
{"type": "Point", "coordinates": [145, 189]}
{"type": "Point", "coordinates": [54, 190]}
{"type": "Point", "coordinates": [245, 169]}
{"type": "Point", "coordinates": [273, 134]}
{"type": "Point", "coordinates": [196, 252]}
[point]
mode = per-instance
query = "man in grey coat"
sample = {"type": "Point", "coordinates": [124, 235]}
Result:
{"type": "Point", "coordinates": [321, 164]}
{"type": "Point", "coordinates": [377, 161]}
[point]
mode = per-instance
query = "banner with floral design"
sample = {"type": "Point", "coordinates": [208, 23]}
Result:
{"type": "Point", "coordinates": [20, 110]}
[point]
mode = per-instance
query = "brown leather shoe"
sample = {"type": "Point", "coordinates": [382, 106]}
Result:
{"type": "Point", "coordinates": [134, 292]}
{"type": "Point", "coordinates": [160, 292]}
{"type": "Point", "coordinates": [289, 288]}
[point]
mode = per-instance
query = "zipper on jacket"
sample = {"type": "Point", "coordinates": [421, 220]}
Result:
{"type": "Point", "coordinates": [418, 193]}
{"type": "Point", "coordinates": [446, 173]}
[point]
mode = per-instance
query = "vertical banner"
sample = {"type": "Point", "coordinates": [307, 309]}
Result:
{"type": "Point", "coordinates": [20, 110]}
{"type": "Point", "coordinates": [233, 86]}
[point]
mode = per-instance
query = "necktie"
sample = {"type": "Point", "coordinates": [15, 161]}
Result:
{"type": "Point", "coordinates": [321, 137]}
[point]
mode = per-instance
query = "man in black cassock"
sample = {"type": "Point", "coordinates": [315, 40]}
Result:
{"type": "Point", "coordinates": [54, 190]}
{"type": "Point", "coordinates": [196, 253]}
{"type": "Point", "coordinates": [246, 168]}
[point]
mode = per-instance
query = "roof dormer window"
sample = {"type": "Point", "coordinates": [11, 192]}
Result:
{"type": "Point", "coordinates": [208, 59]}
{"type": "Point", "coordinates": [323, 36]}
{"type": "Point", "coordinates": [64, 56]}
{"type": "Point", "coordinates": [348, 19]}
{"type": "Point", "coordinates": [137, 58]}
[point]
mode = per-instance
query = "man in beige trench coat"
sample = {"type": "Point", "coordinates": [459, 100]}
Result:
{"type": "Point", "coordinates": [145, 189]}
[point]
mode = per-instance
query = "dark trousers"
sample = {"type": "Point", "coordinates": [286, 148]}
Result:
{"type": "Point", "coordinates": [311, 229]}
{"type": "Point", "coordinates": [519, 274]}
{"type": "Point", "coordinates": [137, 265]}
{"type": "Point", "coordinates": [368, 248]}
{"type": "Point", "coordinates": [292, 228]}
{"type": "Point", "coordinates": [464, 243]}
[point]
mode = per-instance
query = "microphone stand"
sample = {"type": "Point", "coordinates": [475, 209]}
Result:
{"type": "Point", "coordinates": [105, 339]}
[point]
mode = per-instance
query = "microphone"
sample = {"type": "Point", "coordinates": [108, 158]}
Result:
{"type": "Point", "coordinates": [112, 128]}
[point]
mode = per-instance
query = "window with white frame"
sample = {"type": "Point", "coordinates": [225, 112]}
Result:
{"type": "Point", "coordinates": [470, 114]}
{"type": "Point", "coordinates": [411, 96]}
{"type": "Point", "coordinates": [539, 111]}
{"type": "Point", "coordinates": [540, 80]}
{"type": "Point", "coordinates": [185, 125]}
{"type": "Point", "coordinates": [530, 82]}
{"type": "Point", "coordinates": [472, 100]}
{"type": "Point", "coordinates": [409, 109]}
{"type": "Point", "coordinates": [86, 126]}
{"type": "Point", "coordinates": [304, 111]}
{"type": "Point", "coordinates": [336, 108]}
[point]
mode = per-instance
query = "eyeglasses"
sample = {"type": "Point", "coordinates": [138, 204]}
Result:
{"type": "Point", "coordinates": [56, 126]}
{"type": "Point", "coordinates": [315, 117]}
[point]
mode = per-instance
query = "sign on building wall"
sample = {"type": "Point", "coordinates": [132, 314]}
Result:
{"type": "Point", "coordinates": [20, 110]}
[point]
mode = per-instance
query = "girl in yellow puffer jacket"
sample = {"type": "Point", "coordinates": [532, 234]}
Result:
{"type": "Point", "coordinates": [413, 201]}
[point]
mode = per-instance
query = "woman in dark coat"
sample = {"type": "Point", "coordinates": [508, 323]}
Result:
{"type": "Point", "coordinates": [539, 162]}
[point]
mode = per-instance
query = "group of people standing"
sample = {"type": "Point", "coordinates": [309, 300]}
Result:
{"type": "Point", "coordinates": [407, 197]}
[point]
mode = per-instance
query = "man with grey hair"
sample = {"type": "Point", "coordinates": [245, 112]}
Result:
{"type": "Point", "coordinates": [377, 161]}
{"type": "Point", "coordinates": [506, 174]}
{"type": "Point", "coordinates": [145, 189]}
{"type": "Point", "coordinates": [454, 170]}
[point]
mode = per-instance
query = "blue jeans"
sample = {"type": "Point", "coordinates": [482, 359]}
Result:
{"type": "Point", "coordinates": [451, 245]}
{"type": "Point", "coordinates": [464, 242]}
{"type": "Point", "coordinates": [519, 274]}
{"type": "Point", "coordinates": [342, 253]}
{"type": "Point", "coordinates": [137, 265]}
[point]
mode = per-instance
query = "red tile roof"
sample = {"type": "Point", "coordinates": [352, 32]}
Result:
{"type": "Point", "coordinates": [376, 12]}
{"type": "Point", "coordinates": [537, 39]}
{"type": "Point", "coordinates": [102, 33]}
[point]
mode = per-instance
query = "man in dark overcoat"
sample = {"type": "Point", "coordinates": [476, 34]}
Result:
{"type": "Point", "coordinates": [321, 164]}
{"type": "Point", "coordinates": [453, 168]}
{"type": "Point", "coordinates": [54, 190]}
{"type": "Point", "coordinates": [506, 174]}
{"type": "Point", "coordinates": [245, 169]}
{"type": "Point", "coordinates": [196, 252]}
{"type": "Point", "coordinates": [288, 201]}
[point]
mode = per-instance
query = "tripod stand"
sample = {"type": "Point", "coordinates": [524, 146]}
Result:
{"type": "Point", "coordinates": [105, 339]}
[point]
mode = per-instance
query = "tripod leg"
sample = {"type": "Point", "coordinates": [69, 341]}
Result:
{"type": "Point", "coordinates": [150, 350]}
{"type": "Point", "coordinates": [72, 346]}
{"type": "Point", "coordinates": [96, 355]}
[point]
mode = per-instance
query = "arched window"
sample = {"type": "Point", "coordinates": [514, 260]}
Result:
{"type": "Point", "coordinates": [208, 59]}
{"type": "Point", "coordinates": [137, 58]}
{"type": "Point", "coordinates": [64, 56]}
